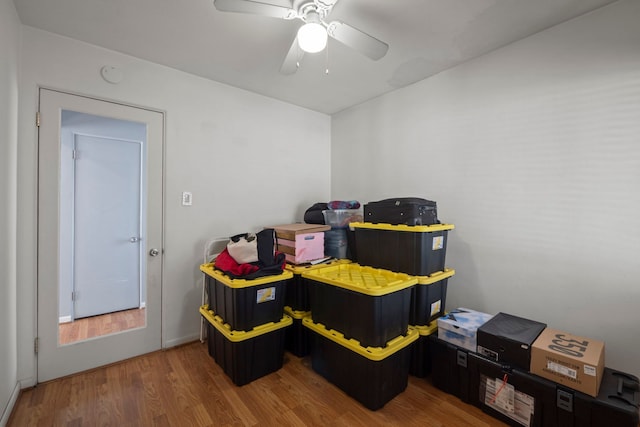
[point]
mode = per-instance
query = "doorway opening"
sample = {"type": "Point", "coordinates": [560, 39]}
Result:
{"type": "Point", "coordinates": [102, 172]}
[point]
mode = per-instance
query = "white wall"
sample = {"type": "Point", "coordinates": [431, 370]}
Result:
{"type": "Point", "coordinates": [250, 161]}
{"type": "Point", "coordinates": [9, 58]}
{"type": "Point", "coordinates": [533, 152]}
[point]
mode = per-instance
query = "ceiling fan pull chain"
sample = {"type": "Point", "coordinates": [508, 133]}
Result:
{"type": "Point", "coordinates": [326, 69]}
{"type": "Point", "coordinates": [299, 54]}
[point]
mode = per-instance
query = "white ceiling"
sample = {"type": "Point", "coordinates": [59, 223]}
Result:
{"type": "Point", "coordinates": [246, 51]}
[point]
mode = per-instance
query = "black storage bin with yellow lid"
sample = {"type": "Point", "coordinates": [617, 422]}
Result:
{"type": "Point", "coordinates": [419, 250]}
{"type": "Point", "coordinates": [246, 355]}
{"type": "Point", "coordinates": [371, 375]}
{"type": "Point", "coordinates": [296, 338]}
{"type": "Point", "coordinates": [245, 304]}
{"type": "Point", "coordinates": [367, 304]}
{"type": "Point", "coordinates": [428, 297]}
{"type": "Point", "coordinates": [297, 288]}
{"type": "Point", "coordinates": [420, 365]}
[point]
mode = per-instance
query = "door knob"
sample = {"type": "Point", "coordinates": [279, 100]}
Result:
{"type": "Point", "coordinates": [154, 252]}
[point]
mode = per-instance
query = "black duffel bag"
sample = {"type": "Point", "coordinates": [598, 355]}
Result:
{"type": "Point", "coordinates": [314, 215]}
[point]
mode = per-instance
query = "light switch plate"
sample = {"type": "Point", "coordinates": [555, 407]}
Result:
{"type": "Point", "coordinates": [187, 198]}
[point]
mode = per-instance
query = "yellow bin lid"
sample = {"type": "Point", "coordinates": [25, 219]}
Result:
{"type": "Point", "coordinates": [436, 277]}
{"type": "Point", "coordinates": [297, 314]}
{"type": "Point", "coordinates": [242, 283]}
{"type": "Point", "coordinates": [402, 227]}
{"type": "Point", "coordinates": [237, 336]}
{"type": "Point", "coordinates": [299, 269]}
{"type": "Point", "coordinates": [372, 353]}
{"type": "Point", "coordinates": [365, 280]}
{"type": "Point", "coordinates": [426, 330]}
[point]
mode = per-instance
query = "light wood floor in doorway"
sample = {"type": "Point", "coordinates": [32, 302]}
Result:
{"type": "Point", "coordinates": [105, 324]}
{"type": "Point", "coordinates": [183, 386]}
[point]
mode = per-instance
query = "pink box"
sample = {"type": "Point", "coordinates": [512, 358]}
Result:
{"type": "Point", "coordinates": [306, 247]}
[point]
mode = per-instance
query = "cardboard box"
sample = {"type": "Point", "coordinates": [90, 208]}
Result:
{"type": "Point", "coordinates": [507, 339]}
{"type": "Point", "coordinates": [289, 231]}
{"type": "Point", "coordinates": [459, 327]}
{"type": "Point", "coordinates": [573, 361]}
{"type": "Point", "coordinates": [304, 248]}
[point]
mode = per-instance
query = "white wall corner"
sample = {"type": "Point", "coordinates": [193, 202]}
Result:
{"type": "Point", "coordinates": [9, 409]}
{"type": "Point", "coordinates": [182, 340]}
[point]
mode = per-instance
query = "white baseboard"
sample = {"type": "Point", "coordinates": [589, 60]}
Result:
{"type": "Point", "coordinates": [28, 382]}
{"type": "Point", "coordinates": [64, 319]}
{"type": "Point", "coordinates": [12, 402]}
{"type": "Point", "coordinates": [143, 304]}
{"type": "Point", "coordinates": [182, 340]}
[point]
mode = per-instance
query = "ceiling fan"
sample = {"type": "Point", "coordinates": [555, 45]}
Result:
{"type": "Point", "coordinates": [312, 35]}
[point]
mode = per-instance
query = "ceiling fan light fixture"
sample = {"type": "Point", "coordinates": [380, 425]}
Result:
{"type": "Point", "coordinates": [312, 37]}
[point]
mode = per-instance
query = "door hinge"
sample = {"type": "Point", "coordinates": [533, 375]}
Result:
{"type": "Point", "coordinates": [35, 345]}
{"type": "Point", "coordinates": [74, 154]}
{"type": "Point", "coordinates": [74, 295]}
{"type": "Point", "coordinates": [38, 118]}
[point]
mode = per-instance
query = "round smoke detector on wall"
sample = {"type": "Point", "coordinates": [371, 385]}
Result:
{"type": "Point", "coordinates": [111, 74]}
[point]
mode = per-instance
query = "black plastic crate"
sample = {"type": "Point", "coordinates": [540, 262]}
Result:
{"type": "Point", "coordinates": [296, 338]}
{"type": "Point", "coordinates": [450, 369]}
{"type": "Point", "coordinates": [616, 405]}
{"type": "Point", "coordinates": [418, 250]}
{"type": "Point", "coordinates": [511, 395]}
{"type": "Point", "coordinates": [428, 297]}
{"type": "Point", "coordinates": [420, 364]}
{"type": "Point", "coordinates": [246, 356]}
{"type": "Point", "coordinates": [372, 376]}
{"type": "Point", "coordinates": [297, 288]}
{"type": "Point", "coordinates": [367, 304]}
{"type": "Point", "coordinates": [245, 304]}
{"type": "Point", "coordinates": [475, 380]}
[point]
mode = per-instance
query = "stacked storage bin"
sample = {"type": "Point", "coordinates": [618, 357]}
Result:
{"type": "Point", "coordinates": [418, 250]}
{"type": "Point", "coordinates": [246, 323]}
{"type": "Point", "coordinates": [428, 298]}
{"type": "Point", "coordinates": [297, 306]}
{"type": "Point", "coordinates": [360, 330]}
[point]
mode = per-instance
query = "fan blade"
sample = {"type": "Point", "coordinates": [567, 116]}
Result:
{"type": "Point", "coordinates": [254, 7]}
{"type": "Point", "coordinates": [293, 58]}
{"type": "Point", "coordinates": [358, 40]}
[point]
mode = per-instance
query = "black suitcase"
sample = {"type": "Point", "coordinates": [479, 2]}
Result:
{"type": "Point", "coordinates": [402, 210]}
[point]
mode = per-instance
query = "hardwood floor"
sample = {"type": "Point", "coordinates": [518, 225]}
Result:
{"type": "Point", "coordinates": [95, 326]}
{"type": "Point", "coordinates": [183, 386]}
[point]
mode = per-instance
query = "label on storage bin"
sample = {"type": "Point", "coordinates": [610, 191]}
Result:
{"type": "Point", "coordinates": [435, 307]}
{"type": "Point", "coordinates": [438, 243]}
{"type": "Point", "coordinates": [563, 370]}
{"type": "Point", "coordinates": [266, 294]}
{"type": "Point", "coordinates": [504, 398]}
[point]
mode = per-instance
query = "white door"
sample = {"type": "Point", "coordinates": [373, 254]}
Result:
{"type": "Point", "coordinates": [55, 360]}
{"type": "Point", "coordinates": [106, 225]}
